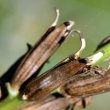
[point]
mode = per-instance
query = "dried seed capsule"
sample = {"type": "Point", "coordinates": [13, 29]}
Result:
{"type": "Point", "coordinates": [42, 50]}
{"type": "Point", "coordinates": [52, 79]}
{"type": "Point", "coordinates": [84, 86]}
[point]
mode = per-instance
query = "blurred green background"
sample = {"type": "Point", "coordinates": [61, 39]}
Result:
{"type": "Point", "coordinates": [23, 21]}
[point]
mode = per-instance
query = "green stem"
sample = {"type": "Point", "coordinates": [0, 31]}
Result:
{"type": "Point", "coordinates": [11, 103]}
{"type": "Point", "coordinates": [106, 55]}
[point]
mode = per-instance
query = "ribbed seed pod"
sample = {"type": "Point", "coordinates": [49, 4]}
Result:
{"type": "Point", "coordinates": [39, 54]}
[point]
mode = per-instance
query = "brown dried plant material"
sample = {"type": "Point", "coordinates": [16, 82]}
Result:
{"type": "Point", "coordinates": [84, 86]}
{"type": "Point", "coordinates": [82, 103]}
{"type": "Point", "coordinates": [55, 104]}
{"type": "Point", "coordinates": [60, 74]}
{"type": "Point", "coordinates": [39, 54]}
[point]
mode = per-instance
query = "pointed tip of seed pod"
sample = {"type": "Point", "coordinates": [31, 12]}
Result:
{"type": "Point", "coordinates": [24, 97]}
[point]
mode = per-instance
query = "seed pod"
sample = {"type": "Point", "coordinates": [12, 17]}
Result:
{"type": "Point", "coordinates": [84, 86]}
{"type": "Point", "coordinates": [52, 79]}
{"type": "Point", "coordinates": [41, 51]}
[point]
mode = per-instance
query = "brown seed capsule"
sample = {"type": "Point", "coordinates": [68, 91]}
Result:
{"type": "Point", "coordinates": [41, 51]}
{"type": "Point", "coordinates": [52, 79]}
{"type": "Point", "coordinates": [84, 86]}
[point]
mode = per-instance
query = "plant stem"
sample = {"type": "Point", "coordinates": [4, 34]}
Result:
{"type": "Point", "coordinates": [106, 55]}
{"type": "Point", "coordinates": [11, 103]}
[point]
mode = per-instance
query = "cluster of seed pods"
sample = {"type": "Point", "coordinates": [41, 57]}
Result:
{"type": "Point", "coordinates": [69, 76]}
